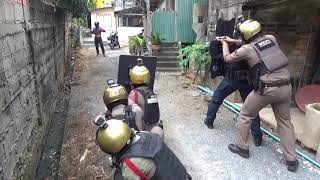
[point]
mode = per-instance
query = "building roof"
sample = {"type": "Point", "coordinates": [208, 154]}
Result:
{"type": "Point", "coordinates": [133, 10]}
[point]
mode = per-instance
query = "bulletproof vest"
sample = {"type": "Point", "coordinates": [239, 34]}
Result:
{"type": "Point", "coordinates": [151, 110]}
{"type": "Point", "coordinates": [151, 146]}
{"type": "Point", "coordinates": [238, 70]}
{"type": "Point", "coordinates": [270, 53]}
{"type": "Point", "coordinates": [217, 65]}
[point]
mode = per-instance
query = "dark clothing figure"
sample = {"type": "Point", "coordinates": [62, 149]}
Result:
{"type": "Point", "coordinates": [234, 79]}
{"type": "Point", "coordinates": [225, 28]}
{"type": "Point", "coordinates": [98, 40]}
{"type": "Point", "coordinates": [225, 88]}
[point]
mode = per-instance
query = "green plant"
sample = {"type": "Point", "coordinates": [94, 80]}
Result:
{"type": "Point", "coordinates": [198, 53]}
{"type": "Point", "coordinates": [76, 25]}
{"type": "Point", "coordinates": [78, 8]}
{"type": "Point", "coordinates": [156, 39]}
{"type": "Point", "coordinates": [136, 45]}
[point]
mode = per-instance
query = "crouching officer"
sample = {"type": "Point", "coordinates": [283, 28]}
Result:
{"type": "Point", "coordinates": [236, 77]}
{"type": "Point", "coordinates": [268, 67]}
{"type": "Point", "coordinates": [116, 100]}
{"type": "Point", "coordinates": [138, 155]}
{"type": "Point", "coordinates": [143, 96]}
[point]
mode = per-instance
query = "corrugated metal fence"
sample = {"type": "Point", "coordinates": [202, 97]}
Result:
{"type": "Point", "coordinates": [185, 10]}
{"type": "Point", "coordinates": [164, 23]}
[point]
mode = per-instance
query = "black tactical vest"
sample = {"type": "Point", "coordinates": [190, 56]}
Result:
{"type": "Point", "coordinates": [151, 106]}
{"type": "Point", "coordinates": [168, 166]}
{"type": "Point", "coordinates": [238, 70]}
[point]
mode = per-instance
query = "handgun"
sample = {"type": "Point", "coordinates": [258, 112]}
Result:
{"type": "Point", "coordinates": [220, 37]}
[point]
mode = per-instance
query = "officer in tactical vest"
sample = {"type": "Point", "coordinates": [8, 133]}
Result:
{"type": "Point", "coordinates": [270, 77]}
{"type": "Point", "coordinates": [236, 77]}
{"type": "Point", "coordinates": [138, 155]}
{"type": "Point", "coordinates": [143, 96]}
{"type": "Point", "coordinates": [115, 98]}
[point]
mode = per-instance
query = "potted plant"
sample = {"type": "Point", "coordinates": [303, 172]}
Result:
{"type": "Point", "coordinates": [156, 41]}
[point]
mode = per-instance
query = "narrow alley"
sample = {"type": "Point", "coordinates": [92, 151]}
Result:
{"type": "Point", "coordinates": [203, 151]}
{"type": "Point", "coordinates": [215, 71]}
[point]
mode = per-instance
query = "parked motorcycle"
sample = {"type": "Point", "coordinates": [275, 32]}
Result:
{"type": "Point", "coordinates": [114, 40]}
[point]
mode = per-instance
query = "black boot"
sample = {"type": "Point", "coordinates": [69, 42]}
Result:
{"type": "Point", "coordinates": [208, 123]}
{"type": "Point", "coordinates": [236, 149]}
{"type": "Point", "coordinates": [292, 165]}
{"type": "Point", "coordinates": [257, 140]}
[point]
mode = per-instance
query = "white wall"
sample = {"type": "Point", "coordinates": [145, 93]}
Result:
{"type": "Point", "coordinates": [125, 32]}
{"type": "Point", "coordinates": [106, 19]}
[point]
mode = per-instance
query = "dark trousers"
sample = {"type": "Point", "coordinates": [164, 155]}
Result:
{"type": "Point", "coordinates": [224, 89]}
{"type": "Point", "coordinates": [97, 41]}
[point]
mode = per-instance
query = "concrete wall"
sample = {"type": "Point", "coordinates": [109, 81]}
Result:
{"type": "Point", "coordinates": [32, 68]}
{"type": "Point", "coordinates": [295, 29]}
{"type": "Point", "coordinates": [290, 25]}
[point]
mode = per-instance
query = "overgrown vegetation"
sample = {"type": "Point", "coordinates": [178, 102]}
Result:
{"type": "Point", "coordinates": [76, 25]}
{"type": "Point", "coordinates": [78, 8]}
{"type": "Point", "coordinates": [136, 45]}
{"type": "Point", "coordinates": [197, 53]}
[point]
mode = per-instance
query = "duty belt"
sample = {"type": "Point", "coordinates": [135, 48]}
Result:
{"type": "Point", "coordinates": [237, 75]}
{"type": "Point", "coordinates": [276, 83]}
{"type": "Point", "coordinates": [261, 85]}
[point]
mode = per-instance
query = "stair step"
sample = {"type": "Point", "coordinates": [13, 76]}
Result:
{"type": "Point", "coordinates": [168, 69]}
{"type": "Point", "coordinates": [168, 53]}
{"type": "Point", "coordinates": [167, 64]}
{"type": "Point", "coordinates": [169, 48]}
{"type": "Point", "coordinates": [160, 59]}
{"type": "Point", "coordinates": [166, 57]}
{"type": "Point", "coordinates": [169, 44]}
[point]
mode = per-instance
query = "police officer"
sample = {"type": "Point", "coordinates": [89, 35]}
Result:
{"type": "Point", "coordinates": [115, 98]}
{"type": "Point", "coordinates": [143, 96]}
{"type": "Point", "coordinates": [138, 155]}
{"type": "Point", "coordinates": [236, 77]}
{"type": "Point", "coordinates": [268, 68]}
{"type": "Point", "coordinates": [97, 38]}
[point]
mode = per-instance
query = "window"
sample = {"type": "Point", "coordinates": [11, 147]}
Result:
{"type": "Point", "coordinates": [132, 21]}
{"type": "Point", "coordinates": [104, 20]}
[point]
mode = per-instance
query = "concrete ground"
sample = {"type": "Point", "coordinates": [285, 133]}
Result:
{"type": "Point", "coordinates": [204, 152]}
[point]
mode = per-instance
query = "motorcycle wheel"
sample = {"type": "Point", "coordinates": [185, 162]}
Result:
{"type": "Point", "coordinates": [111, 47]}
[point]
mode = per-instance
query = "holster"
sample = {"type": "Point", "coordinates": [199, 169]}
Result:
{"type": "Point", "coordinates": [259, 86]}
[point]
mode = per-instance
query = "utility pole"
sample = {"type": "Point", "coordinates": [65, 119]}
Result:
{"type": "Point", "coordinates": [148, 29]}
{"type": "Point", "coordinates": [148, 26]}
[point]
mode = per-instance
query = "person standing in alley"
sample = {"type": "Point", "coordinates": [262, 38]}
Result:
{"type": "Point", "coordinates": [97, 39]}
{"type": "Point", "coordinates": [270, 78]}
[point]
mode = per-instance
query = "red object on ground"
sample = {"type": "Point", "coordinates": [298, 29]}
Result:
{"type": "Point", "coordinates": [307, 95]}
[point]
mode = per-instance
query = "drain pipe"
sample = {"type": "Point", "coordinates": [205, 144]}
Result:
{"type": "Point", "coordinates": [236, 109]}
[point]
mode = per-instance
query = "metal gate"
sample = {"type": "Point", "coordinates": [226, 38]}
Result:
{"type": "Point", "coordinates": [164, 22]}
